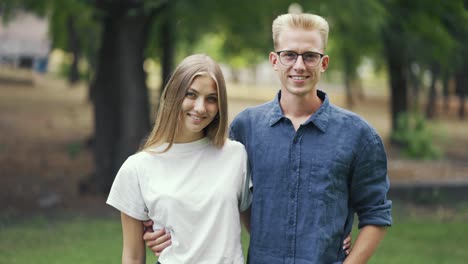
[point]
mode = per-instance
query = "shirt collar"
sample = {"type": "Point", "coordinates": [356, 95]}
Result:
{"type": "Point", "coordinates": [319, 118]}
{"type": "Point", "coordinates": [276, 114]}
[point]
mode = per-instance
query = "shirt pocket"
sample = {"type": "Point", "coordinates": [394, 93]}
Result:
{"type": "Point", "coordinates": [328, 182]}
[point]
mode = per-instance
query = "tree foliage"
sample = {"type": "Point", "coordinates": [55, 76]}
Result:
{"type": "Point", "coordinates": [397, 32]}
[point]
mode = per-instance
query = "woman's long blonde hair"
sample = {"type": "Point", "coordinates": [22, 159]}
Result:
{"type": "Point", "coordinates": [170, 107]}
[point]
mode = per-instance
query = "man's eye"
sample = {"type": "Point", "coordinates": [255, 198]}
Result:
{"type": "Point", "coordinates": [289, 55]}
{"type": "Point", "coordinates": [310, 56]}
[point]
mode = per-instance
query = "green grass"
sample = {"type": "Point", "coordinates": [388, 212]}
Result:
{"type": "Point", "coordinates": [434, 234]}
{"type": "Point", "coordinates": [425, 238]}
{"type": "Point", "coordinates": [73, 240]}
{"type": "Point", "coordinates": [46, 240]}
{"type": "Point", "coordinates": [424, 241]}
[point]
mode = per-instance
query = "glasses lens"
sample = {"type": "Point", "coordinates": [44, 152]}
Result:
{"type": "Point", "coordinates": [311, 58]}
{"type": "Point", "coordinates": [288, 57]}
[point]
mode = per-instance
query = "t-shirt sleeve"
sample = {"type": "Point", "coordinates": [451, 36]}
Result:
{"type": "Point", "coordinates": [246, 192]}
{"type": "Point", "coordinates": [125, 194]}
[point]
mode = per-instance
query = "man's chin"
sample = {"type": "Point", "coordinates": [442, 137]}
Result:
{"type": "Point", "coordinates": [300, 91]}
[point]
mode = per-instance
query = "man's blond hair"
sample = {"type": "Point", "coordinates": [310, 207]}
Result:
{"type": "Point", "coordinates": [300, 21]}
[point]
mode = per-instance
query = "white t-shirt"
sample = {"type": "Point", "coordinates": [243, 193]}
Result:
{"type": "Point", "coordinates": [194, 191]}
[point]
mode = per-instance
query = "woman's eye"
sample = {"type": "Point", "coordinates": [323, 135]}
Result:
{"type": "Point", "coordinates": [190, 95]}
{"type": "Point", "coordinates": [212, 99]}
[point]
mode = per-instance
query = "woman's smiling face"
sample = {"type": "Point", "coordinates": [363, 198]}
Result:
{"type": "Point", "coordinates": [199, 108]}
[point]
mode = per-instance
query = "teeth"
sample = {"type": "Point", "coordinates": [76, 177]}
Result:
{"type": "Point", "coordinates": [298, 77]}
{"type": "Point", "coordinates": [196, 117]}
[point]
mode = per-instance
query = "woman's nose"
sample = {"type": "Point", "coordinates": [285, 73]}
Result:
{"type": "Point", "coordinates": [200, 105]}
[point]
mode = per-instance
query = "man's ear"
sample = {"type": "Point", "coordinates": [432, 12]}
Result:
{"type": "Point", "coordinates": [324, 63]}
{"type": "Point", "coordinates": [274, 60]}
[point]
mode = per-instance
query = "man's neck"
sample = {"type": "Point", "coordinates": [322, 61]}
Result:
{"type": "Point", "coordinates": [299, 108]}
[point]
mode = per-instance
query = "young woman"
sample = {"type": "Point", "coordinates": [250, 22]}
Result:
{"type": "Point", "coordinates": [188, 178]}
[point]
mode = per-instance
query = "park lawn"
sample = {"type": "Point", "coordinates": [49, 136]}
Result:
{"type": "Point", "coordinates": [424, 241]}
{"type": "Point", "coordinates": [42, 240]}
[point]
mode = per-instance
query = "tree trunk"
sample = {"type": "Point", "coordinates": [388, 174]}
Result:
{"type": "Point", "coordinates": [461, 89]}
{"type": "Point", "coordinates": [462, 110]}
{"type": "Point", "coordinates": [445, 91]}
{"type": "Point", "coordinates": [134, 105]}
{"type": "Point", "coordinates": [119, 94]}
{"type": "Point", "coordinates": [74, 46]}
{"type": "Point", "coordinates": [414, 78]}
{"type": "Point", "coordinates": [105, 97]}
{"type": "Point", "coordinates": [431, 100]}
{"type": "Point", "coordinates": [398, 81]}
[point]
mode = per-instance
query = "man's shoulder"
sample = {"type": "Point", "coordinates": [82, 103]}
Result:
{"type": "Point", "coordinates": [351, 120]}
{"type": "Point", "coordinates": [342, 114]}
{"type": "Point", "coordinates": [337, 111]}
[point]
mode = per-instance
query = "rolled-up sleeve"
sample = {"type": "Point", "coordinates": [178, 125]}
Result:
{"type": "Point", "coordinates": [370, 185]}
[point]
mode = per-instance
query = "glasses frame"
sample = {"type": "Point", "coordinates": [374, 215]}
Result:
{"type": "Point", "coordinates": [299, 54]}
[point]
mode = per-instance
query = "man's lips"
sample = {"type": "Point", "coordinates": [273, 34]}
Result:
{"type": "Point", "coordinates": [298, 78]}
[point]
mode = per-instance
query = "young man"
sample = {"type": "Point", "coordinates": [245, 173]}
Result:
{"type": "Point", "coordinates": [314, 165]}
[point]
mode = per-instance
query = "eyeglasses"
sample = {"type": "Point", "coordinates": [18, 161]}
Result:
{"type": "Point", "coordinates": [289, 57]}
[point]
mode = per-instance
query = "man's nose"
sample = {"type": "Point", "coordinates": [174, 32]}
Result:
{"type": "Point", "coordinates": [299, 62]}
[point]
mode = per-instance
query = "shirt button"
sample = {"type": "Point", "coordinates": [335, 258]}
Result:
{"type": "Point", "coordinates": [295, 140]}
{"type": "Point", "coordinates": [292, 195]}
{"type": "Point", "coordinates": [291, 222]}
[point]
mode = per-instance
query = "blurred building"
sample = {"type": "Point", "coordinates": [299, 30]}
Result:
{"type": "Point", "coordinates": [24, 41]}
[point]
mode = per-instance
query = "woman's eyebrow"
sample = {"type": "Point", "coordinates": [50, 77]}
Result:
{"type": "Point", "coordinates": [190, 89]}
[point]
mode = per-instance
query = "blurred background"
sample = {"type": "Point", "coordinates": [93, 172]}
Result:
{"type": "Point", "coordinates": [80, 82]}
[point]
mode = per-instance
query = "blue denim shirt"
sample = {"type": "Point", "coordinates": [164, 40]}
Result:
{"type": "Point", "coordinates": [309, 183]}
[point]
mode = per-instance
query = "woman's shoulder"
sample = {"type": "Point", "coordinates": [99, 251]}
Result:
{"type": "Point", "coordinates": [139, 157]}
{"type": "Point", "coordinates": [233, 143]}
{"type": "Point", "coordinates": [234, 146]}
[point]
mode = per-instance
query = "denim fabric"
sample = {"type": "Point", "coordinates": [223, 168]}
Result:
{"type": "Point", "coordinates": [309, 183]}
